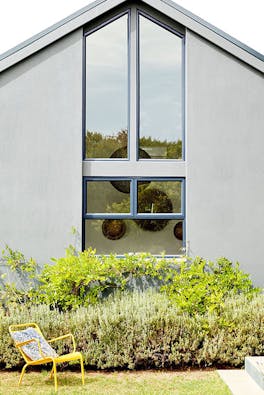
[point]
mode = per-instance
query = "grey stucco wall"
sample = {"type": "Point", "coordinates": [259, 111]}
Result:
{"type": "Point", "coordinates": [41, 149]}
{"type": "Point", "coordinates": [225, 161]}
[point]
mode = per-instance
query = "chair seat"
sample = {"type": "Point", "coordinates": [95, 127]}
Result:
{"type": "Point", "coordinates": [68, 357]}
{"type": "Point", "coordinates": [73, 356]}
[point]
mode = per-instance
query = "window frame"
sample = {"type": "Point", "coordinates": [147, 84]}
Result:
{"type": "Point", "coordinates": [132, 168]}
{"type": "Point", "coordinates": [133, 81]}
{"type": "Point", "coordinates": [87, 32]}
{"type": "Point", "coordinates": [133, 203]}
{"type": "Point", "coordinates": [133, 199]}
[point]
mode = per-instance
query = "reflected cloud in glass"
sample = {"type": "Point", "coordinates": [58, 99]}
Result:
{"type": "Point", "coordinates": [160, 65]}
{"type": "Point", "coordinates": [107, 89]}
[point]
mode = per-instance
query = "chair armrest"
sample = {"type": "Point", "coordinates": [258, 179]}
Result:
{"type": "Point", "coordinates": [21, 344]}
{"type": "Point", "coordinates": [64, 337]}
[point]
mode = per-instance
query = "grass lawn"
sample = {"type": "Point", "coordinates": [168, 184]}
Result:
{"type": "Point", "coordinates": [200, 382]}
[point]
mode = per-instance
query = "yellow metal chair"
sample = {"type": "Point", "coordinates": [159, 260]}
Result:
{"type": "Point", "coordinates": [36, 350]}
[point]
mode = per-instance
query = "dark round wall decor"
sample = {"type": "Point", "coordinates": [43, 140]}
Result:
{"type": "Point", "coordinates": [124, 186]}
{"type": "Point", "coordinates": [152, 225]}
{"type": "Point", "coordinates": [152, 201]}
{"type": "Point", "coordinates": [113, 229]}
{"type": "Point", "coordinates": [178, 231]}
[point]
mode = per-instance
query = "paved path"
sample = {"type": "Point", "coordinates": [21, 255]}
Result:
{"type": "Point", "coordinates": [239, 382]}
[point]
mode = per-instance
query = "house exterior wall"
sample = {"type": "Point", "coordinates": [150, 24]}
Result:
{"type": "Point", "coordinates": [41, 150]}
{"type": "Point", "coordinates": [225, 161]}
{"type": "Point", "coordinates": [41, 153]}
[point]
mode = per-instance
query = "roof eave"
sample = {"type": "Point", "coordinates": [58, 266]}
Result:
{"type": "Point", "coordinates": [98, 7]}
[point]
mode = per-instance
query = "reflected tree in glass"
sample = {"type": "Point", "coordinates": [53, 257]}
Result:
{"type": "Point", "coordinates": [107, 89]}
{"type": "Point", "coordinates": [103, 197]}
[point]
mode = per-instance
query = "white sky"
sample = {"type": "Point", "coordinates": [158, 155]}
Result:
{"type": "Point", "coordinates": [21, 19]}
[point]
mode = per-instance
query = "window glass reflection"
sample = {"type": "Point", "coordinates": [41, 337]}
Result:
{"type": "Point", "coordinates": [158, 197]}
{"type": "Point", "coordinates": [121, 236]}
{"type": "Point", "coordinates": [108, 196]}
{"type": "Point", "coordinates": [106, 91]}
{"type": "Point", "coordinates": [160, 65]}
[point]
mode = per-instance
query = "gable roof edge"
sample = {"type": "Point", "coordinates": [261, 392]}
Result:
{"type": "Point", "coordinates": [98, 7]}
{"type": "Point", "coordinates": [55, 32]}
{"type": "Point", "coordinates": [209, 32]}
{"type": "Point", "coordinates": [216, 30]}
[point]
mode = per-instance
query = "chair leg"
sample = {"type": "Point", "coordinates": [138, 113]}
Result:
{"type": "Point", "coordinates": [22, 373]}
{"type": "Point", "coordinates": [55, 376]}
{"type": "Point", "coordinates": [82, 369]}
{"type": "Point", "coordinates": [51, 373]}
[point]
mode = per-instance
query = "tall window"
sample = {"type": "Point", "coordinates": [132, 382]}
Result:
{"type": "Point", "coordinates": [134, 190]}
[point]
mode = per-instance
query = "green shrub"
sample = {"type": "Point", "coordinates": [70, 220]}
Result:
{"type": "Point", "coordinates": [207, 314]}
{"type": "Point", "coordinates": [25, 277]}
{"type": "Point", "coordinates": [147, 330]}
{"type": "Point", "coordinates": [82, 278]}
{"type": "Point", "coordinates": [200, 286]}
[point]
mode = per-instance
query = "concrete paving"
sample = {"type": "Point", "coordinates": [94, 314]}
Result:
{"type": "Point", "coordinates": [254, 366]}
{"type": "Point", "coordinates": [239, 382]}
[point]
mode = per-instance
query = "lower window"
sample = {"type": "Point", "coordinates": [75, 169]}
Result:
{"type": "Point", "coordinates": [134, 215]}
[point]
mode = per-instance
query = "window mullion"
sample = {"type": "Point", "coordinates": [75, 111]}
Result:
{"type": "Point", "coordinates": [134, 197]}
{"type": "Point", "coordinates": [133, 85]}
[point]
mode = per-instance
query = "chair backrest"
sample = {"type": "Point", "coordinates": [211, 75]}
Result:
{"type": "Point", "coordinates": [35, 350]}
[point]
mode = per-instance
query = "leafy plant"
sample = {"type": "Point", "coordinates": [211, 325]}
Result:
{"type": "Point", "coordinates": [24, 276]}
{"type": "Point", "coordinates": [200, 286]}
{"type": "Point", "coordinates": [82, 278]}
